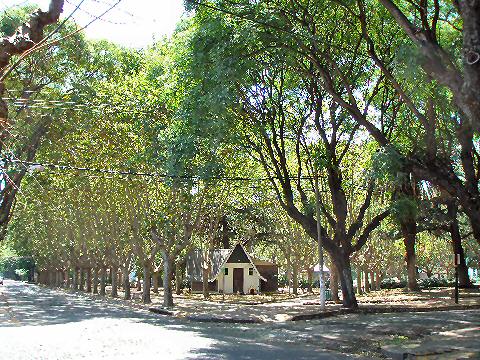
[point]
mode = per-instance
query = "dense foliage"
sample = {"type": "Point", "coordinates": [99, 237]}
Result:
{"type": "Point", "coordinates": [222, 133]}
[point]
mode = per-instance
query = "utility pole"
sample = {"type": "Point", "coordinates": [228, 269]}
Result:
{"type": "Point", "coordinates": [320, 244]}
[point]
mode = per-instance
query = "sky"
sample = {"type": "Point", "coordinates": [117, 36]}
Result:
{"type": "Point", "coordinates": [132, 23]}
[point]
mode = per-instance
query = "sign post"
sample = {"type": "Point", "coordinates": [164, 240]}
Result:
{"type": "Point", "coordinates": [457, 262]}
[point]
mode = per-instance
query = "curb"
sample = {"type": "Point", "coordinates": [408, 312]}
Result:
{"type": "Point", "coordinates": [385, 310]}
{"type": "Point", "coordinates": [161, 311]}
{"type": "Point", "coordinates": [222, 320]}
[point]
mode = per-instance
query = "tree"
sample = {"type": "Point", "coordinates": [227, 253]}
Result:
{"type": "Point", "coordinates": [438, 59]}
{"type": "Point", "coordinates": [28, 37]}
{"type": "Point", "coordinates": [173, 217]}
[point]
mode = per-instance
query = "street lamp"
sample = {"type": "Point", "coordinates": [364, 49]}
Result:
{"type": "Point", "coordinates": [320, 244]}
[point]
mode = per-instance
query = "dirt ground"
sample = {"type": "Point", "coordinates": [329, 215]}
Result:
{"type": "Point", "coordinates": [284, 307]}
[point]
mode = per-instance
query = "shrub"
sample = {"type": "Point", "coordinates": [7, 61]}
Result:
{"type": "Point", "coordinates": [393, 283]}
{"type": "Point", "coordinates": [22, 274]}
{"type": "Point", "coordinates": [434, 283]}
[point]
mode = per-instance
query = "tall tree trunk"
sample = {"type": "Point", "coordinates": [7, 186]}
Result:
{"type": "Point", "coordinates": [334, 283]}
{"type": "Point", "coordinates": [51, 278]}
{"type": "Point", "coordinates": [89, 280]}
{"type": "Point", "coordinates": [342, 262]}
{"type": "Point", "coordinates": [225, 233]}
{"type": "Point", "coordinates": [57, 278]}
{"type": "Point", "coordinates": [205, 275]}
{"type": "Point", "coordinates": [179, 269]}
{"type": "Point", "coordinates": [40, 277]}
{"type": "Point", "coordinates": [75, 279]}
{"type": "Point", "coordinates": [409, 231]}
{"type": "Point", "coordinates": [155, 280]}
{"type": "Point", "coordinates": [310, 280]}
{"type": "Point", "coordinates": [95, 280]}
{"type": "Point", "coordinates": [126, 283]}
{"type": "Point", "coordinates": [103, 280]}
{"type": "Point", "coordinates": [64, 278]}
{"type": "Point", "coordinates": [146, 284]}
{"type": "Point", "coordinates": [67, 278]}
{"type": "Point", "coordinates": [365, 279]}
{"type": "Point", "coordinates": [120, 278]}
{"type": "Point", "coordinates": [81, 285]}
{"type": "Point", "coordinates": [167, 280]}
{"type": "Point", "coordinates": [289, 276]}
{"type": "Point", "coordinates": [114, 276]}
{"type": "Point", "coordinates": [295, 279]}
{"type": "Point", "coordinates": [378, 279]}
{"type": "Point", "coordinates": [359, 281]}
{"type": "Point", "coordinates": [139, 283]}
{"type": "Point", "coordinates": [463, 279]}
{"type": "Point", "coordinates": [372, 281]}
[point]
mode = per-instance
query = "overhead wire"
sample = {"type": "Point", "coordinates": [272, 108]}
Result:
{"type": "Point", "coordinates": [93, 15]}
{"type": "Point", "coordinates": [134, 173]}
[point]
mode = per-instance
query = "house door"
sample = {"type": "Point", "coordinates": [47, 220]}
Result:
{"type": "Point", "coordinates": [238, 280]}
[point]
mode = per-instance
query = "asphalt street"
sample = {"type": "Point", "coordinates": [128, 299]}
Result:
{"type": "Point", "coordinates": [40, 323]}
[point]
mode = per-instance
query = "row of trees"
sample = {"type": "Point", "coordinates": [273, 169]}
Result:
{"type": "Point", "coordinates": [325, 87]}
{"type": "Point", "coordinates": [238, 114]}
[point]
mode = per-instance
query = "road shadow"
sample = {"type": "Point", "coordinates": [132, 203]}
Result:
{"type": "Point", "coordinates": [31, 305]}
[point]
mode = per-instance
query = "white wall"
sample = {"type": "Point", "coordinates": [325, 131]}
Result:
{"type": "Point", "coordinates": [249, 281]}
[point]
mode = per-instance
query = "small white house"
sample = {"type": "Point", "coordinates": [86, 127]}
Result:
{"type": "Point", "coordinates": [235, 271]}
{"type": "Point", "coordinates": [238, 273]}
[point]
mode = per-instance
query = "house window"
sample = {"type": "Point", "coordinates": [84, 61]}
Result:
{"type": "Point", "coordinates": [225, 271]}
{"type": "Point", "coordinates": [250, 271]}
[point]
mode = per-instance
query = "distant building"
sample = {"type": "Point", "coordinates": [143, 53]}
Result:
{"type": "Point", "coordinates": [233, 271]}
{"type": "Point", "coordinates": [316, 272]}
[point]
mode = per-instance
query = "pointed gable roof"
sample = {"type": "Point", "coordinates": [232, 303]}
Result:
{"type": "Point", "coordinates": [239, 253]}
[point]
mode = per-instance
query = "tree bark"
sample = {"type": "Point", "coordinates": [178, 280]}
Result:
{"type": "Point", "coordinates": [289, 276]}
{"type": "Point", "coordinates": [342, 263]}
{"type": "Point", "coordinates": [205, 274]}
{"type": "Point", "coordinates": [81, 285]}
{"type": "Point", "coordinates": [167, 280]}
{"type": "Point", "coordinates": [103, 280]}
{"type": "Point", "coordinates": [95, 280]}
{"type": "Point", "coordinates": [67, 278]}
{"type": "Point", "coordinates": [225, 233]}
{"type": "Point", "coordinates": [51, 278]}
{"type": "Point", "coordinates": [359, 281]}
{"type": "Point", "coordinates": [139, 283]}
{"type": "Point", "coordinates": [310, 280]}
{"type": "Point", "coordinates": [409, 231]}
{"type": "Point", "coordinates": [179, 269]}
{"type": "Point", "coordinates": [367, 283]}
{"type": "Point", "coordinates": [372, 281]}
{"type": "Point", "coordinates": [146, 284]}
{"type": "Point", "coordinates": [89, 280]}
{"type": "Point", "coordinates": [295, 279]}
{"type": "Point", "coordinates": [126, 284]}
{"type": "Point", "coordinates": [58, 280]}
{"type": "Point", "coordinates": [334, 283]}
{"type": "Point", "coordinates": [155, 280]}
{"type": "Point", "coordinates": [114, 276]}
{"type": "Point", "coordinates": [378, 280]}
{"type": "Point", "coordinates": [75, 279]}
{"type": "Point", "coordinates": [470, 12]}
{"type": "Point", "coordinates": [454, 228]}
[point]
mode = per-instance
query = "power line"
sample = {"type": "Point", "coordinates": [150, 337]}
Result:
{"type": "Point", "coordinates": [44, 165]}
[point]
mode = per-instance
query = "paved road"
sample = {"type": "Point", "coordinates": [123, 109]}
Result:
{"type": "Point", "coordinates": [38, 323]}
